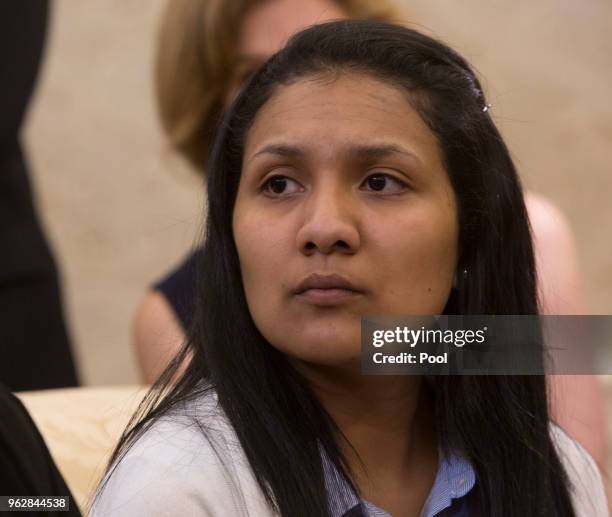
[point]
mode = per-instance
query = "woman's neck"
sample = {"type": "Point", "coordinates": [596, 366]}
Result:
{"type": "Point", "coordinates": [388, 424]}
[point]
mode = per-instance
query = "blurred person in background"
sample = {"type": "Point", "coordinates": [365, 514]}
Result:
{"type": "Point", "coordinates": [206, 52]}
{"type": "Point", "coordinates": [36, 352]}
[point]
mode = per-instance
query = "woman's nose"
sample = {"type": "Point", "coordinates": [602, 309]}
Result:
{"type": "Point", "coordinates": [329, 223]}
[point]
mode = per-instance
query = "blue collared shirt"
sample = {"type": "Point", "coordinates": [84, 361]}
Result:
{"type": "Point", "coordinates": [454, 479]}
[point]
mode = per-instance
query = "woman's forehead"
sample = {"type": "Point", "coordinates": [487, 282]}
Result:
{"type": "Point", "coordinates": [348, 110]}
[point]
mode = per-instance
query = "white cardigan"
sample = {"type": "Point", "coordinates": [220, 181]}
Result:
{"type": "Point", "coordinates": [174, 470]}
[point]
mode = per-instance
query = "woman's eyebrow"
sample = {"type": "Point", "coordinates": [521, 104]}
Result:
{"type": "Point", "coordinates": [357, 151]}
{"type": "Point", "coordinates": [284, 150]}
{"type": "Point", "coordinates": [380, 151]}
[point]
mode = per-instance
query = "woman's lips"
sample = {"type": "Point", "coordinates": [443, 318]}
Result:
{"type": "Point", "coordinates": [327, 297]}
{"type": "Point", "coordinates": [326, 289]}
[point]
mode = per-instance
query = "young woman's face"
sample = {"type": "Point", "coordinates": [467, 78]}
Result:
{"type": "Point", "coordinates": [344, 209]}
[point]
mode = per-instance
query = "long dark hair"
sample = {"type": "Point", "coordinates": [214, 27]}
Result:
{"type": "Point", "coordinates": [500, 423]}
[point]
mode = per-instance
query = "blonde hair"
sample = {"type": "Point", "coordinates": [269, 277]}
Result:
{"type": "Point", "coordinates": [196, 57]}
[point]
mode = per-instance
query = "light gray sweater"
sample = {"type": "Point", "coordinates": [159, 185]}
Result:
{"type": "Point", "coordinates": [175, 470]}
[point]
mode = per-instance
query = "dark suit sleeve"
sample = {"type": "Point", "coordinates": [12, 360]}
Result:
{"type": "Point", "coordinates": [22, 35]}
{"type": "Point", "coordinates": [26, 467]}
{"type": "Point", "coordinates": [36, 352]}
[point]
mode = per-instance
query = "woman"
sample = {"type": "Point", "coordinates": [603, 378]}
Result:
{"type": "Point", "coordinates": [200, 66]}
{"type": "Point", "coordinates": [356, 174]}
{"type": "Point", "coordinates": [206, 51]}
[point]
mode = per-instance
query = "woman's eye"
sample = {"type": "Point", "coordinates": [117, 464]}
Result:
{"type": "Point", "coordinates": [280, 185]}
{"type": "Point", "coordinates": [385, 183]}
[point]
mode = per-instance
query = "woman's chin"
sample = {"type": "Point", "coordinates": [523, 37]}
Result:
{"type": "Point", "coordinates": [333, 351]}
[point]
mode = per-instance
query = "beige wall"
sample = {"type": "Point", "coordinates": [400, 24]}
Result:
{"type": "Point", "coordinates": [120, 210]}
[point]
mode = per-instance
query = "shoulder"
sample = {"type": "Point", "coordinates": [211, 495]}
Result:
{"type": "Point", "coordinates": [586, 484]}
{"type": "Point", "coordinates": [550, 227]}
{"type": "Point", "coordinates": [157, 335]}
{"type": "Point", "coordinates": [542, 208]}
{"type": "Point", "coordinates": [556, 254]}
{"type": "Point", "coordinates": [188, 462]}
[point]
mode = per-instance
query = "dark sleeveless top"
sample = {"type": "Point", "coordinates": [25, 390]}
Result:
{"type": "Point", "coordinates": [178, 287]}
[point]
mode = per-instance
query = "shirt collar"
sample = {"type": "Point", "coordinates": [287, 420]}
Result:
{"type": "Point", "coordinates": [454, 479]}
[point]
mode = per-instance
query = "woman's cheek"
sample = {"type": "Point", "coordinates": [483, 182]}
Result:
{"type": "Point", "coordinates": [262, 257]}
